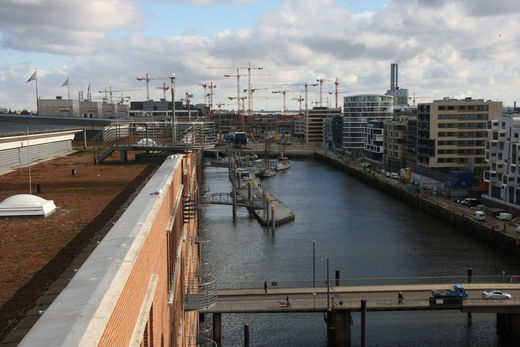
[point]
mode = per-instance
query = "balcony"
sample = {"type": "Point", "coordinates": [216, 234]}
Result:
{"type": "Point", "coordinates": [201, 292]}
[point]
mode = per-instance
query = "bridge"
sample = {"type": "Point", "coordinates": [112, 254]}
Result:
{"type": "Point", "coordinates": [378, 298]}
{"type": "Point", "coordinates": [227, 199]}
{"type": "Point", "coordinates": [337, 302]}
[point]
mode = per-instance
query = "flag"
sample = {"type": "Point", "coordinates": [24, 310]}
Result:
{"type": "Point", "coordinates": [66, 83]}
{"type": "Point", "coordinates": [32, 78]}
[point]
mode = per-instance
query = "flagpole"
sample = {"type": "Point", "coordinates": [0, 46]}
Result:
{"type": "Point", "coordinates": [36, 79]}
{"type": "Point", "coordinates": [68, 89]}
{"type": "Point", "coordinates": [29, 161]}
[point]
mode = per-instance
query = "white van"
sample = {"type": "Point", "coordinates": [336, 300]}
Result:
{"type": "Point", "coordinates": [479, 215]}
{"type": "Point", "coordinates": [504, 216]}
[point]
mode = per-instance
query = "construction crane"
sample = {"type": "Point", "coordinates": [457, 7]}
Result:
{"type": "Point", "coordinates": [418, 97]}
{"type": "Point", "coordinates": [283, 92]}
{"type": "Point", "coordinates": [306, 87]}
{"type": "Point", "coordinates": [250, 102]}
{"type": "Point", "coordinates": [164, 89]}
{"type": "Point", "coordinates": [148, 79]}
{"type": "Point", "coordinates": [300, 113]}
{"type": "Point", "coordinates": [209, 95]}
{"type": "Point", "coordinates": [249, 68]}
{"type": "Point", "coordinates": [110, 92]}
{"type": "Point", "coordinates": [336, 93]}
{"type": "Point", "coordinates": [320, 81]}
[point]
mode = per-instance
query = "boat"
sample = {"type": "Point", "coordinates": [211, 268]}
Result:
{"type": "Point", "coordinates": [267, 172]}
{"type": "Point", "coordinates": [283, 163]}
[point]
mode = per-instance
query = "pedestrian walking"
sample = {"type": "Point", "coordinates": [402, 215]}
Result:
{"type": "Point", "coordinates": [287, 303]}
{"type": "Point", "coordinates": [400, 298]}
{"type": "Point", "coordinates": [265, 286]}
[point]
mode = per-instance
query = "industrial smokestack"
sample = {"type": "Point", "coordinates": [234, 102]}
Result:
{"type": "Point", "coordinates": [394, 76]}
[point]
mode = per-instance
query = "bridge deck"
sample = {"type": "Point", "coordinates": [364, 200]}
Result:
{"type": "Point", "coordinates": [379, 298]}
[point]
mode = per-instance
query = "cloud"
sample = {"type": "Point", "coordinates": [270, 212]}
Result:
{"type": "Point", "coordinates": [64, 26]}
{"type": "Point", "coordinates": [212, 2]}
{"type": "Point", "coordinates": [444, 48]}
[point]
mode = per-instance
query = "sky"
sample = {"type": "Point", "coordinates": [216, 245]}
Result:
{"type": "Point", "coordinates": [454, 48]}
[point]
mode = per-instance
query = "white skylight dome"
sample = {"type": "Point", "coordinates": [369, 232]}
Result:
{"type": "Point", "coordinates": [26, 205]}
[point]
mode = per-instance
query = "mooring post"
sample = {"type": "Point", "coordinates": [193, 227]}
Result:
{"type": "Point", "coordinates": [314, 263]}
{"type": "Point", "coordinates": [246, 335]}
{"type": "Point", "coordinates": [249, 194]}
{"type": "Point", "coordinates": [217, 328]}
{"type": "Point", "coordinates": [234, 203]}
{"type": "Point", "coordinates": [273, 222]}
{"type": "Point", "coordinates": [268, 218]}
{"type": "Point", "coordinates": [363, 323]}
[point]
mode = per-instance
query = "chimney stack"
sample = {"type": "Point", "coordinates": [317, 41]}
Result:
{"type": "Point", "coordinates": [394, 84]}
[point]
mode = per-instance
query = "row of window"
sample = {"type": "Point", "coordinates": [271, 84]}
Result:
{"type": "Point", "coordinates": [463, 125]}
{"type": "Point", "coordinates": [463, 134]}
{"type": "Point", "coordinates": [483, 116]}
{"type": "Point", "coordinates": [464, 107]}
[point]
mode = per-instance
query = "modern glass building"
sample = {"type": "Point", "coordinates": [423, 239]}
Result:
{"type": "Point", "coordinates": [358, 110]}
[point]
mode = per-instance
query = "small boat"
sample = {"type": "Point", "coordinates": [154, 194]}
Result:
{"type": "Point", "coordinates": [267, 172]}
{"type": "Point", "coordinates": [283, 163]}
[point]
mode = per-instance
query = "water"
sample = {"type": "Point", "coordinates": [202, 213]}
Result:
{"type": "Point", "coordinates": [364, 233]}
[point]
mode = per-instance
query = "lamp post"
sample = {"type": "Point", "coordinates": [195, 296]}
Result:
{"type": "Point", "coordinates": [174, 120]}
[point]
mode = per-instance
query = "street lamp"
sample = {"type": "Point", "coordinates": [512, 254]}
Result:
{"type": "Point", "coordinates": [174, 120]}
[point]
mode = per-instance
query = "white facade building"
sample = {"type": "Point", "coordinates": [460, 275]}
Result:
{"type": "Point", "coordinates": [503, 156]}
{"type": "Point", "coordinates": [358, 110]}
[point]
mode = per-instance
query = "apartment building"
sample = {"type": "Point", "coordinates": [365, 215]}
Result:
{"type": "Point", "coordinates": [503, 157]}
{"type": "Point", "coordinates": [395, 135]}
{"type": "Point", "coordinates": [452, 134]}
{"type": "Point", "coordinates": [358, 110]}
{"type": "Point", "coordinates": [316, 124]}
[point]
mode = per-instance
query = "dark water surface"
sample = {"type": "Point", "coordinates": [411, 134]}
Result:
{"type": "Point", "coordinates": [365, 234]}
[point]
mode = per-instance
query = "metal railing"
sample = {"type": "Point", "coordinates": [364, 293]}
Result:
{"type": "Point", "coordinates": [201, 292]}
{"type": "Point", "coordinates": [426, 280]}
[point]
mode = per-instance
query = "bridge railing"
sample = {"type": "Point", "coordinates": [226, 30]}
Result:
{"type": "Point", "coordinates": [274, 283]}
{"type": "Point", "coordinates": [319, 303]}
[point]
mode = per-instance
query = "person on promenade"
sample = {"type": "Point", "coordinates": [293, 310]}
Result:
{"type": "Point", "coordinates": [265, 286]}
{"type": "Point", "coordinates": [287, 303]}
{"type": "Point", "coordinates": [400, 298]}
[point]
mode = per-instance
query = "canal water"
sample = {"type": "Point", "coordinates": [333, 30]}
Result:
{"type": "Point", "coordinates": [365, 234]}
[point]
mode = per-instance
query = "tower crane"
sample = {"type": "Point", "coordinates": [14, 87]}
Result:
{"type": "Point", "coordinates": [148, 79]}
{"type": "Point", "coordinates": [306, 87]}
{"type": "Point", "coordinates": [300, 113]}
{"type": "Point", "coordinates": [250, 102]}
{"type": "Point", "coordinates": [209, 95]}
{"type": "Point", "coordinates": [164, 89]}
{"type": "Point", "coordinates": [283, 92]}
{"type": "Point", "coordinates": [336, 93]}
{"type": "Point", "coordinates": [320, 81]}
{"type": "Point", "coordinates": [418, 97]}
{"type": "Point", "coordinates": [110, 91]}
{"type": "Point", "coordinates": [249, 68]}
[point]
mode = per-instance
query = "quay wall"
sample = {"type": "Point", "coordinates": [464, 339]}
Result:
{"type": "Point", "coordinates": [425, 204]}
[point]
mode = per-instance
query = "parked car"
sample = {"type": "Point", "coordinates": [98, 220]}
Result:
{"type": "Point", "coordinates": [394, 175]}
{"type": "Point", "coordinates": [495, 294]}
{"type": "Point", "coordinates": [504, 216]}
{"type": "Point", "coordinates": [471, 202]}
{"type": "Point", "coordinates": [479, 215]}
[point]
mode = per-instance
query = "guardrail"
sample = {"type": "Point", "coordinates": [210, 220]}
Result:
{"type": "Point", "coordinates": [275, 283]}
